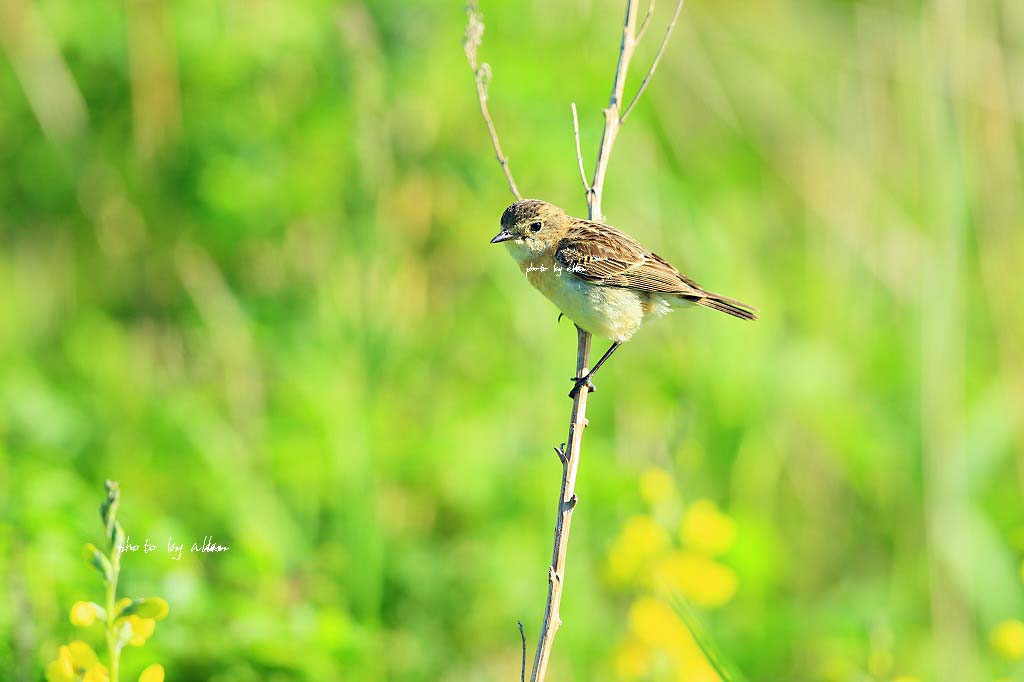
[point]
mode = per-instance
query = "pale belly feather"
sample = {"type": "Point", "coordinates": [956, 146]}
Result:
{"type": "Point", "coordinates": [609, 312]}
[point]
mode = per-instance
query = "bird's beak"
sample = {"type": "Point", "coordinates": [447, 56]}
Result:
{"type": "Point", "coordinates": [502, 236]}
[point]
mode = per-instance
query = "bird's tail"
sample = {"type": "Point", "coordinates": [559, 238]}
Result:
{"type": "Point", "coordinates": [726, 305]}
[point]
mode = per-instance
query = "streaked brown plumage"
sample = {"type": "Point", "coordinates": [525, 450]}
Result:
{"type": "Point", "coordinates": [604, 255]}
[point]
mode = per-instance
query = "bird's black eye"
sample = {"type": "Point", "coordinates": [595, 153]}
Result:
{"type": "Point", "coordinates": [535, 226]}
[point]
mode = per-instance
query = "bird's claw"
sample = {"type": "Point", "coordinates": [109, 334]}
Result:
{"type": "Point", "coordinates": [580, 382]}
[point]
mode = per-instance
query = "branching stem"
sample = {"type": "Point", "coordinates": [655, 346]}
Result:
{"type": "Point", "coordinates": [657, 57]}
{"type": "Point", "coordinates": [569, 452]}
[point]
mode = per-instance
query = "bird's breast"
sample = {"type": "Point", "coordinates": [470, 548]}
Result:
{"type": "Point", "coordinates": [610, 312]}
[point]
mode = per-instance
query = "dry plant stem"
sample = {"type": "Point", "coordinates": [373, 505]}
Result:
{"type": "Point", "coordinates": [647, 20]}
{"type": "Point", "coordinates": [568, 454]}
{"type": "Point", "coordinates": [657, 57]}
{"type": "Point", "coordinates": [522, 665]}
{"type": "Point", "coordinates": [481, 91]}
{"type": "Point", "coordinates": [579, 154]}
{"type": "Point", "coordinates": [612, 120]}
{"type": "Point", "coordinates": [482, 77]}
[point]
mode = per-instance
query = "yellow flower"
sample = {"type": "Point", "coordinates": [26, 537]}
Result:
{"type": "Point", "coordinates": [656, 485]}
{"type": "Point", "coordinates": [83, 614]}
{"type": "Point", "coordinates": [74, 660]}
{"type": "Point", "coordinates": [141, 629]}
{"type": "Point", "coordinates": [640, 541]}
{"type": "Point", "coordinates": [121, 604]}
{"type": "Point", "coordinates": [655, 624]}
{"type": "Point", "coordinates": [153, 673]}
{"type": "Point", "coordinates": [82, 655]}
{"type": "Point", "coordinates": [150, 607]}
{"type": "Point", "coordinates": [160, 608]}
{"type": "Point", "coordinates": [61, 669]}
{"type": "Point", "coordinates": [97, 674]}
{"type": "Point", "coordinates": [703, 581]}
{"type": "Point", "coordinates": [707, 530]}
{"type": "Point", "coordinates": [632, 659]}
{"type": "Point", "coordinates": [1008, 640]}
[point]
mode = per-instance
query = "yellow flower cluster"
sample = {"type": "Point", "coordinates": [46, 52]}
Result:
{"type": "Point", "coordinates": [125, 621]}
{"type": "Point", "coordinates": [646, 556]}
{"type": "Point", "coordinates": [77, 662]}
{"type": "Point", "coordinates": [137, 629]}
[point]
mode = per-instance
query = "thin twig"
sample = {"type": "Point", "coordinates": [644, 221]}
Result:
{"type": "Point", "coordinates": [569, 457]}
{"type": "Point", "coordinates": [522, 666]}
{"type": "Point", "coordinates": [579, 154]}
{"type": "Point", "coordinates": [657, 58]}
{"type": "Point", "coordinates": [612, 121]}
{"type": "Point", "coordinates": [647, 19]}
{"type": "Point", "coordinates": [482, 77]}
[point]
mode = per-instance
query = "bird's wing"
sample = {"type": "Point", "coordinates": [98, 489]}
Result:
{"type": "Point", "coordinates": [601, 254]}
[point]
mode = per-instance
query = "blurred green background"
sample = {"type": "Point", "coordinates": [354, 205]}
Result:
{"type": "Point", "coordinates": [244, 271]}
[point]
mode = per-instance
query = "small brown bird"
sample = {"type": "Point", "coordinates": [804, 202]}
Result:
{"type": "Point", "coordinates": [599, 277]}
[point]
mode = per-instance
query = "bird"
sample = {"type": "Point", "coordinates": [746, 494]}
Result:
{"type": "Point", "coordinates": [598, 276]}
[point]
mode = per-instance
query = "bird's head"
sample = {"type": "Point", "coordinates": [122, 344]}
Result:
{"type": "Point", "coordinates": [530, 227]}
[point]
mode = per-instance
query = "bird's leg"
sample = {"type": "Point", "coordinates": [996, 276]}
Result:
{"type": "Point", "coordinates": [585, 379]}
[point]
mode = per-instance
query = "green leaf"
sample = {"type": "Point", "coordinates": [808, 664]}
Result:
{"type": "Point", "coordinates": [150, 607]}
{"type": "Point", "coordinates": [108, 510]}
{"type": "Point", "coordinates": [117, 536]}
{"type": "Point", "coordinates": [99, 560]}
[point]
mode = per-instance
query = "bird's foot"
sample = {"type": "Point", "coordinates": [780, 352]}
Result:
{"type": "Point", "coordinates": [580, 382]}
